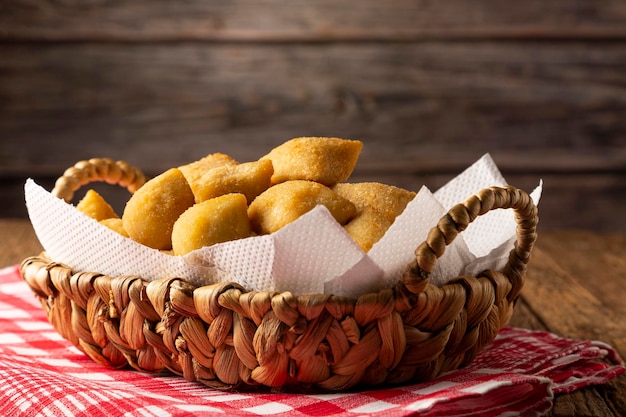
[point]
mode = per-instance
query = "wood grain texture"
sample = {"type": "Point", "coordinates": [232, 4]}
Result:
{"type": "Point", "coordinates": [428, 86]}
{"type": "Point", "coordinates": [18, 239]}
{"type": "Point", "coordinates": [326, 20]}
{"type": "Point", "coordinates": [446, 102]}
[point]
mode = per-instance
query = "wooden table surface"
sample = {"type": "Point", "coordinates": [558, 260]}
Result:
{"type": "Point", "coordinates": [576, 287]}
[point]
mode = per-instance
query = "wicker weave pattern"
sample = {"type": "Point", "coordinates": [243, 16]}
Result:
{"type": "Point", "coordinates": [225, 337]}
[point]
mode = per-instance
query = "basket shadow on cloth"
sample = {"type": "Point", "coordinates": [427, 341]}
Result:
{"type": "Point", "coordinates": [227, 337]}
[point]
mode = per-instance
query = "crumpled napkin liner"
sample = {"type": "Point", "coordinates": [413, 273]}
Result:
{"type": "Point", "coordinates": [312, 255]}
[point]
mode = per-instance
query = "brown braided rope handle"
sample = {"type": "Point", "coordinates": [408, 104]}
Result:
{"type": "Point", "coordinates": [460, 216]}
{"type": "Point", "coordinates": [98, 169]}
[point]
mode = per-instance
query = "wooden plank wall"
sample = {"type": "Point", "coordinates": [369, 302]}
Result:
{"type": "Point", "coordinates": [428, 86]}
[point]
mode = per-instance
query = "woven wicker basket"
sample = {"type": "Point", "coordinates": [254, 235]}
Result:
{"type": "Point", "coordinates": [227, 337]}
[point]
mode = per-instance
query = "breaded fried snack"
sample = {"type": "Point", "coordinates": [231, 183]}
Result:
{"type": "Point", "coordinates": [151, 212]}
{"type": "Point", "coordinates": [285, 202]}
{"type": "Point", "coordinates": [377, 206]}
{"type": "Point", "coordinates": [367, 227]}
{"type": "Point", "coordinates": [94, 206]}
{"type": "Point", "coordinates": [387, 199]}
{"type": "Point", "coordinates": [115, 224]}
{"type": "Point", "coordinates": [213, 221]}
{"type": "Point", "coordinates": [250, 179]}
{"type": "Point", "coordinates": [195, 170]}
{"type": "Point", "coordinates": [324, 160]}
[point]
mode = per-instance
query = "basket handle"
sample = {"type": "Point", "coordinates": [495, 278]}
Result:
{"type": "Point", "coordinates": [98, 169]}
{"type": "Point", "coordinates": [460, 216]}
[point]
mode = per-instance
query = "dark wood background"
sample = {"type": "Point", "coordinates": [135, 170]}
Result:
{"type": "Point", "coordinates": [428, 86]}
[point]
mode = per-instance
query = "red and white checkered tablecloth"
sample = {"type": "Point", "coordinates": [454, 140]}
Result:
{"type": "Point", "coordinates": [41, 374]}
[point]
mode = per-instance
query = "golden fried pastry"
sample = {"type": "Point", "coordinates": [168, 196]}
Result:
{"type": "Point", "coordinates": [377, 206]}
{"type": "Point", "coordinates": [249, 179]}
{"type": "Point", "coordinates": [367, 227]}
{"type": "Point", "coordinates": [115, 224]}
{"type": "Point", "coordinates": [389, 200]}
{"type": "Point", "coordinates": [150, 213]}
{"type": "Point", "coordinates": [194, 171]}
{"type": "Point", "coordinates": [285, 202]}
{"type": "Point", "coordinates": [324, 160]}
{"type": "Point", "coordinates": [94, 206]}
{"type": "Point", "coordinates": [213, 221]}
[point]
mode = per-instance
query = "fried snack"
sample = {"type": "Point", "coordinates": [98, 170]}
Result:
{"type": "Point", "coordinates": [115, 224]}
{"type": "Point", "coordinates": [94, 206]}
{"type": "Point", "coordinates": [324, 160]}
{"type": "Point", "coordinates": [285, 202]}
{"type": "Point", "coordinates": [367, 227]}
{"type": "Point", "coordinates": [194, 171]}
{"type": "Point", "coordinates": [387, 199]}
{"type": "Point", "coordinates": [213, 221]}
{"type": "Point", "coordinates": [250, 179]}
{"type": "Point", "coordinates": [377, 206]}
{"type": "Point", "coordinates": [150, 213]}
